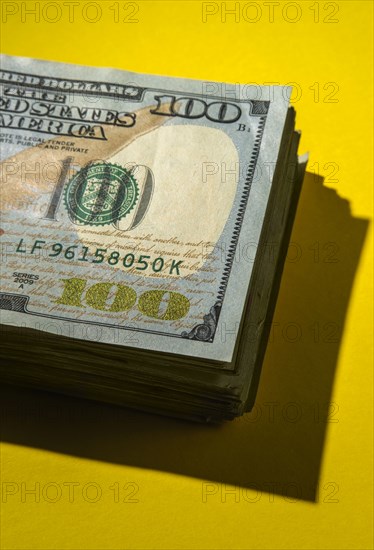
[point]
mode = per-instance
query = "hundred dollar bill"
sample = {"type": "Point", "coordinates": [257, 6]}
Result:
{"type": "Point", "coordinates": [132, 205]}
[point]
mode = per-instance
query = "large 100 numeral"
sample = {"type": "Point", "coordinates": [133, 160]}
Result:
{"type": "Point", "coordinates": [159, 304]}
{"type": "Point", "coordinates": [191, 107]}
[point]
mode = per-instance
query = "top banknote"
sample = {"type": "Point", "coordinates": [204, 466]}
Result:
{"type": "Point", "coordinates": [132, 205]}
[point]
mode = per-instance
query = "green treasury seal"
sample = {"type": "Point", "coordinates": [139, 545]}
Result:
{"type": "Point", "coordinates": [101, 194]}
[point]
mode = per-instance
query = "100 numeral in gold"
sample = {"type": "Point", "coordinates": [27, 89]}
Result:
{"type": "Point", "coordinates": [113, 297]}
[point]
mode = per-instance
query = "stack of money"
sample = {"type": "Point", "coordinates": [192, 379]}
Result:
{"type": "Point", "coordinates": [144, 225]}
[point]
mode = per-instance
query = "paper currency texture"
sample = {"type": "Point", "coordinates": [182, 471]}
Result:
{"type": "Point", "coordinates": [132, 205]}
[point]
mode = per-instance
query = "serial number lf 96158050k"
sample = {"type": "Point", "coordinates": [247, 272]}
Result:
{"type": "Point", "coordinates": [128, 260]}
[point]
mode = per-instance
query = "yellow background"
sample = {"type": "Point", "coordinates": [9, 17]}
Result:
{"type": "Point", "coordinates": [321, 347]}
